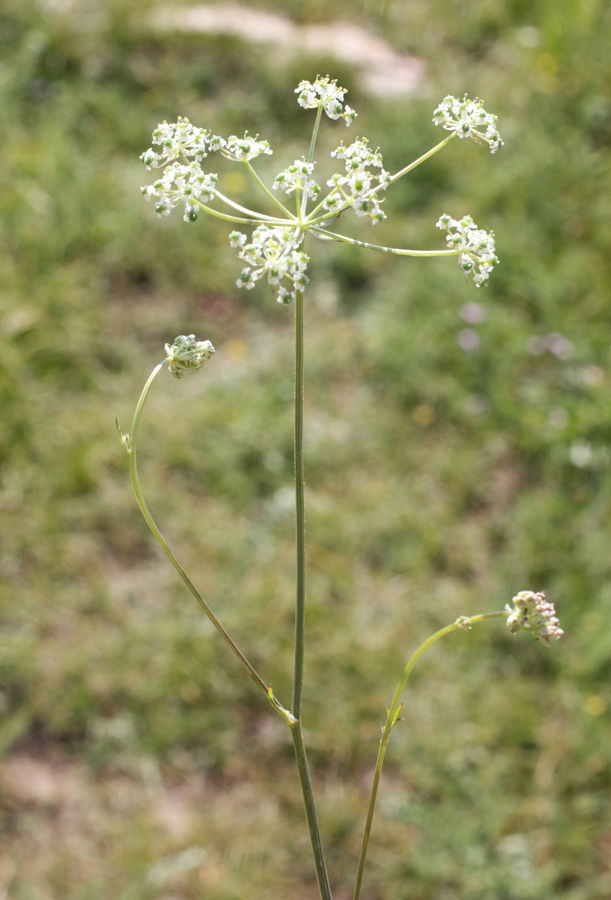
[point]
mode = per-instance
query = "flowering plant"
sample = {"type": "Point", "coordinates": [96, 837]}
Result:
{"type": "Point", "coordinates": [275, 250]}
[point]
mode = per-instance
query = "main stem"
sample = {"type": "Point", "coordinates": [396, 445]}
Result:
{"type": "Point", "coordinates": [299, 510]}
{"type": "Point", "coordinates": [300, 752]}
{"type": "Point", "coordinates": [391, 720]}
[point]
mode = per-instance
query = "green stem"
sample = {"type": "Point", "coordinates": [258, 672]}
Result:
{"type": "Point", "coordinates": [312, 216]}
{"type": "Point", "coordinates": [310, 811]}
{"type": "Point", "coordinates": [273, 220]}
{"type": "Point", "coordinates": [225, 217]}
{"type": "Point", "coordinates": [130, 444]}
{"type": "Point", "coordinates": [300, 753]}
{"type": "Point", "coordinates": [420, 159]}
{"type": "Point", "coordinates": [304, 202]}
{"type": "Point", "coordinates": [299, 509]}
{"type": "Point", "coordinates": [314, 135]}
{"type": "Point", "coordinates": [267, 191]}
{"type": "Point", "coordinates": [391, 721]}
{"type": "Point", "coordinates": [397, 251]}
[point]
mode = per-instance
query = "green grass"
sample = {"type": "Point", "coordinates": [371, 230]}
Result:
{"type": "Point", "coordinates": [438, 481]}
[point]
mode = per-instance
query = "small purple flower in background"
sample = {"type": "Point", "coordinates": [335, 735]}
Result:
{"type": "Point", "coordinates": [556, 344]}
{"type": "Point", "coordinates": [473, 313]}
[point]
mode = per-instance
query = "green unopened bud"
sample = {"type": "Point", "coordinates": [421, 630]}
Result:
{"type": "Point", "coordinates": [187, 353]}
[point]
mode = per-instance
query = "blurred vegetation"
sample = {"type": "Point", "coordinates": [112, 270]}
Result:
{"type": "Point", "coordinates": [440, 480]}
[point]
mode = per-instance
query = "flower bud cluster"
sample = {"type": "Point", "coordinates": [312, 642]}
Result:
{"type": "Point", "coordinates": [274, 251]}
{"type": "Point", "coordinates": [245, 148]}
{"type": "Point", "coordinates": [359, 186]}
{"type": "Point", "coordinates": [187, 183]}
{"type": "Point", "coordinates": [187, 353]}
{"type": "Point", "coordinates": [180, 138]}
{"type": "Point", "coordinates": [534, 613]}
{"type": "Point", "coordinates": [296, 177]}
{"type": "Point", "coordinates": [468, 118]}
{"type": "Point", "coordinates": [476, 247]}
{"type": "Point", "coordinates": [326, 94]}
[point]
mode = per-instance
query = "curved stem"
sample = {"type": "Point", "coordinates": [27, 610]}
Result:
{"type": "Point", "coordinates": [249, 212]}
{"type": "Point", "coordinates": [392, 719]}
{"type": "Point", "coordinates": [225, 217]}
{"type": "Point", "coordinates": [130, 444]}
{"type": "Point", "coordinates": [267, 191]}
{"type": "Point", "coordinates": [397, 251]}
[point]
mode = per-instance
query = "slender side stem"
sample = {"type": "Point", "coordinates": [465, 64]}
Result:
{"type": "Point", "coordinates": [310, 811]}
{"type": "Point", "coordinates": [220, 215]}
{"type": "Point", "coordinates": [273, 220]}
{"type": "Point", "coordinates": [130, 444]}
{"type": "Point", "coordinates": [299, 510]}
{"type": "Point", "coordinates": [391, 721]}
{"type": "Point", "coordinates": [267, 191]}
{"type": "Point", "coordinates": [420, 159]}
{"type": "Point", "coordinates": [314, 135]}
{"type": "Point", "coordinates": [304, 202]}
{"type": "Point", "coordinates": [397, 251]}
{"type": "Point", "coordinates": [312, 215]}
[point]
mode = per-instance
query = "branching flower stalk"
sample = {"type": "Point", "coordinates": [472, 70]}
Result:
{"type": "Point", "coordinates": [275, 251]}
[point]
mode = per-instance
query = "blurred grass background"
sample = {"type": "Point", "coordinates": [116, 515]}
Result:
{"type": "Point", "coordinates": [455, 454]}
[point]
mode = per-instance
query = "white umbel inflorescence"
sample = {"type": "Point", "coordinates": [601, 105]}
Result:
{"type": "Point", "coordinates": [468, 118]}
{"type": "Point", "coordinates": [178, 139]}
{"type": "Point", "coordinates": [187, 353]}
{"type": "Point", "coordinates": [358, 187]}
{"type": "Point", "coordinates": [180, 148]}
{"type": "Point", "coordinates": [297, 177]}
{"type": "Point", "coordinates": [181, 183]}
{"type": "Point", "coordinates": [325, 93]}
{"type": "Point", "coordinates": [274, 251]}
{"type": "Point", "coordinates": [475, 246]}
{"type": "Point", "coordinates": [532, 612]}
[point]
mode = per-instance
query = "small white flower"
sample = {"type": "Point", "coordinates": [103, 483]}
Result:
{"type": "Point", "coordinates": [187, 353]}
{"type": "Point", "coordinates": [534, 613]}
{"type": "Point", "coordinates": [237, 239]}
{"type": "Point", "coordinates": [468, 118]}
{"type": "Point", "coordinates": [359, 185]}
{"type": "Point", "coordinates": [245, 148]}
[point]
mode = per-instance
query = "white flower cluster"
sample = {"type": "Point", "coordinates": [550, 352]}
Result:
{"type": "Point", "coordinates": [358, 187]}
{"type": "Point", "coordinates": [326, 94]}
{"type": "Point", "coordinates": [186, 183]}
{"type": "Point", "coordinates": [180, 138]}
{"type": "Point", "coordinates": [468, 118]}
{"type": "Point", "coordinates": [275, 251]}
{"type": "Point", "coordinates": [187, 353]}
{"type": "Point", "coordinates": [245, 148]}
{"type": "Point", "coordinates": [476, 246]}
{"type": "Point", "coordinates": [296, 177]}
{"type": "Point", "coordinates": [535, 614]}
